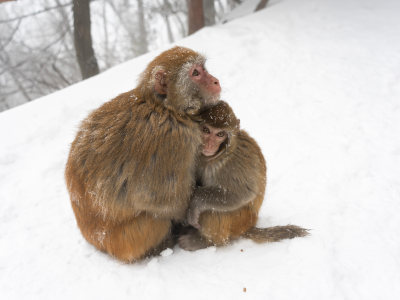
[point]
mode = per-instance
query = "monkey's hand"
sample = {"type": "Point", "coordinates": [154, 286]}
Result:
{"type": "Point", "coordinates": [193, 216]}
{"type": "Point", "coordinates": [204, 199]}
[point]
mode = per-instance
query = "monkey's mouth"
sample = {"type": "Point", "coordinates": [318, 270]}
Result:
{"type": "Point", "coordinates": [213, 156]}
{"type": "Point", "coordinates": [209, 153]}
{"type": "Point", "coordinates": [213, 153]}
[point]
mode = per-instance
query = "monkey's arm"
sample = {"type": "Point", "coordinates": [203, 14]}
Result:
{"type": "Point", "coordinates": [217, 199]}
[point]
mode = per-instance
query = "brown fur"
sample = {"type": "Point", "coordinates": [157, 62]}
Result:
{"type": "Point", "coordinates": [131, 167]}
{"type": "Point", "coordinates": [232, 186]}
{"type": "Point", "coordinates": [245, 165]}
{"type": "Point", "coordinates": [275, 234]}
{"type": "Point", "coordinates": [221, 116]}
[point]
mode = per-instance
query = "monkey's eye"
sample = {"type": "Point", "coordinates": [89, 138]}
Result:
{"type": "Point", "coordinates": [221, 134]}
{"type": "Point", "coordinates": [206, 130]}
{"type": "Point", "coordinates": [195, 72]}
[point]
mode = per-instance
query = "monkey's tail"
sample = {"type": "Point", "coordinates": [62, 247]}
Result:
{"type": "Point", "coordinates": [275, 234]}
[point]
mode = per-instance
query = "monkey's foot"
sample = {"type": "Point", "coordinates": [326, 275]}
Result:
{"type": "Point", "coordinates": [193, 241]}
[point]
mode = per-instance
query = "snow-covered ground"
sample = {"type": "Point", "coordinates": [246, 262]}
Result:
{"type": "Point", "coordinates": [317, 83]}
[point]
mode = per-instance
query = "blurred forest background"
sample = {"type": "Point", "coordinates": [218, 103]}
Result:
{"type": "Point", "coordinates": [46, 45]}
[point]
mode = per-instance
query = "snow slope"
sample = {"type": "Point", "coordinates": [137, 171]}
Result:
{"type": "Point", "coordinates": [317, 84]}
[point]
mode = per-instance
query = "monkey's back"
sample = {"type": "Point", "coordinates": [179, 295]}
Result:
{"type": "Point", "coordinates": [131, 156]}
{"type": "Point", "coordinates": [252, 164]}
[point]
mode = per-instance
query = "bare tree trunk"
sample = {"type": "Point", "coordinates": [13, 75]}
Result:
{"type": "Point", "coordinates": [169, 30]}
{"type": "Point", "coordinates": [231, 4]}
{"type": "Point", "coordinates": [167, 6]}
{"type": "Point", "coordinates": [195, 15]}
{"type": "Point", "coordinates": [182, 27]}
{"type": "Point", "coordinates": [209, 12]}
{"type": "Point", "coordinates": [83, 39]}
{"type": "Point", "coordinates": [106, 43]}
{"type": "Point", "coordinates": [142, 47]}
{"type": "Point", "coordinates": [124, 24]}
{"type": "Point", "coordinates": [221, 7]}
{"type": "Point", "coordinates": [261, 5]}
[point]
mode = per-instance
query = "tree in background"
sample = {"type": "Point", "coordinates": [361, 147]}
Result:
{"type": "Point", "coordinates": [37, 53]}
{"type": "Point", "coordinates": [262, 4]}
{"type": "Point", "coordinates": [143, 47]}
{"type": "Point", "coordinates": [209, 12]}
{"type": "Point", "coordinates": [195, 15]}
{"type": "Point", "coordinates": [83, 39]}
{"type": "Point", "coordinates": [174, 14]}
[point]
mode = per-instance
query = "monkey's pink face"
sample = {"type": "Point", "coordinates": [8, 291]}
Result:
{"type": "Point", "coordinates": [212, 139]}
{"type": "Point", "coordinates": [208, 84]}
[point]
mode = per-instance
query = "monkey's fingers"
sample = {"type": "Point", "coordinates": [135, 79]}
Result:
{"type": "Point", "coordinates": [193, 218]}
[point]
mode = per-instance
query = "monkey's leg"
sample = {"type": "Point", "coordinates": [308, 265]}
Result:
{"type": "Point", "coordinates": [221, 227]}
{"type": "Point", "coordinates": [218, 228]}
{"type": "Point", "coordinates": [142, 236]}
{"type": "Point", "coordinates": [126, 237]}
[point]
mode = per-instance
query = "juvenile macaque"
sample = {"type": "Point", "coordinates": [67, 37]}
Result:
{"type": "Point", "coordinates": [231, 178]}
{"type": "Point", "coordinates": [131, 168]}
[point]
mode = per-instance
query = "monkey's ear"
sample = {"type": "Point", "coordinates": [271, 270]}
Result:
{"type": "Point", "coordinates": [160, 84]}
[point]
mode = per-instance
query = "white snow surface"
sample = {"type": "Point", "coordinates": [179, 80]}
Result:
{"type": "Point", "coordinates": [317, 84]}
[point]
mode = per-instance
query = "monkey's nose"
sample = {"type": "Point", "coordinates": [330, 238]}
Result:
{"type": "Point", "coordinates": [217, 87]}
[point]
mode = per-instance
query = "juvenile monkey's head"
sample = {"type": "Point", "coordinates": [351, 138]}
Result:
{"type": "Point", "coordinates": [179, 77]}
{"type": "Point", "coordinates": [219, 129]}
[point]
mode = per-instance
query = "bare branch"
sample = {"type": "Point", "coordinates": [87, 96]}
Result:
{"type": "Point", "coordinates": [59, 73]}
{"type": "Point", "coordinates": [35, 13]}
{"type": "Point", "coordinates": [10, 38]}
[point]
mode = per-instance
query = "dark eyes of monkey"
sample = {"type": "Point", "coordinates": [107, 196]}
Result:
{"type": "Point", "coordinates": [195, 73]}
{"type": "Point", "coordinates": [206, 130]}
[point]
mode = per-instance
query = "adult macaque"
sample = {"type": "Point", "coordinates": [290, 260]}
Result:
{"type": "Point", "coordinates": [231, 178]}
{"type": "Point", "coordinates": [131, 167]}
